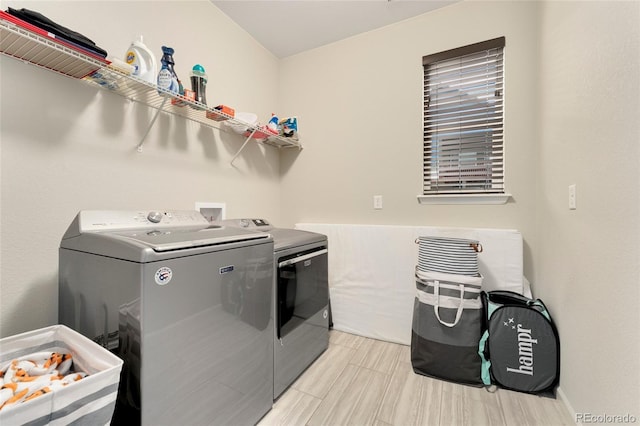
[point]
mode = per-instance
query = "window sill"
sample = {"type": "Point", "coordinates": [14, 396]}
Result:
{"type": "Point", "coordinates": [464, 199]}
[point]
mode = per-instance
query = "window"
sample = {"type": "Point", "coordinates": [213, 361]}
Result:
{"type": "Point", "coordinates": [463, 115]}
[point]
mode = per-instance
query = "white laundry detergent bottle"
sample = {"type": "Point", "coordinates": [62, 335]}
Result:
{"type": "Point", "coordinates": [143, 61]}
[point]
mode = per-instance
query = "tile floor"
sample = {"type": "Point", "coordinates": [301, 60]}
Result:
{"type": "Point", "coordinates": [361, 381]}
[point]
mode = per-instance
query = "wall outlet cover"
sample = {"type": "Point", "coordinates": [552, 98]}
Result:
{"type": "Point", "coordinates": [213, 212]}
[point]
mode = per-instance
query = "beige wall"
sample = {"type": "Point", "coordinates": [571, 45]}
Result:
{"type": "Point", "coordinates": [587, 262]}
{"type": "Point", "coordinates": [67, 146]}
{"type": "Point", "coordinates": [571, 76]}
{"type": "Point", "coordinates": [359, 104]}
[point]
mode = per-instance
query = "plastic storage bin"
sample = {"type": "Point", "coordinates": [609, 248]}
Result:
{"type": "Point", "coordinates": [90, 401]}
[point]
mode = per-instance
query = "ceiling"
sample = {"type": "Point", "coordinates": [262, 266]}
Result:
{"type": "Point", "coordinates": [289, 27]}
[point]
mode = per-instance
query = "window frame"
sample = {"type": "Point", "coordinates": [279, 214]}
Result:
{"type": "Point", "coordinates": [458, 178]}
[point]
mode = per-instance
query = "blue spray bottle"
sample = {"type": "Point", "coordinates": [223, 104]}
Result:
{"type": "Point", "coordinates": [167, 78]}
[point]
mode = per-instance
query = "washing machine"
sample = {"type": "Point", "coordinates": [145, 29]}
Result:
{"type": "Point", "coordinates": [186, 305]}
{"type": "Point", "coordinates": [301, 298]}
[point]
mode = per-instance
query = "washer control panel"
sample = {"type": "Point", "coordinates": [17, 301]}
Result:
{"type": "Point", "coordinates": [119, 220]}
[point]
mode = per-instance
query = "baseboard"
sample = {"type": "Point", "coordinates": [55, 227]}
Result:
{"type": "Point", "coordinates": [339, 327]}
{"type": "Point", "coordinates": [568, 406]}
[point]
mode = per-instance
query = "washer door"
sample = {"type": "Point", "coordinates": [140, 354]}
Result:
{"type": "Point", "coordinates": [207, 338]}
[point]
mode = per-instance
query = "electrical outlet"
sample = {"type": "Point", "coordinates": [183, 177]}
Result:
{"type": "Point", "coordinates": [377, 202]}
{"type": "Point", "coordinates": [572, 197]}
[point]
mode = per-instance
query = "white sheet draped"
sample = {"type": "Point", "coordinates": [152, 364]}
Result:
{"type": "Point", "coordinates": [372, 267]}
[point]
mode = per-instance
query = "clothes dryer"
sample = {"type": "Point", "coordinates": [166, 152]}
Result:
{"type": "Point", "coordinates": [301, 298]}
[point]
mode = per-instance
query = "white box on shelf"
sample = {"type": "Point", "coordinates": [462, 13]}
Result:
{"type": "Point", "coordinates": [88, 401]}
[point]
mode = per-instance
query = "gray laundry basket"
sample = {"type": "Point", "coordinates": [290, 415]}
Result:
{"type": "Point", "coordinates": [448, 321]}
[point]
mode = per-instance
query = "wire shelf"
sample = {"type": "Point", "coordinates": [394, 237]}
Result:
{"type": "Point", "coordinates": [35, 49]}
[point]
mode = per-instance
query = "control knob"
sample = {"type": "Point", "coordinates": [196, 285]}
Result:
{"type": "Point", "coordinates": [154, 217]}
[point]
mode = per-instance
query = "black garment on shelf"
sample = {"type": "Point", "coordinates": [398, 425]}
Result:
{"type": "Point", "coordinates": [73, 37]}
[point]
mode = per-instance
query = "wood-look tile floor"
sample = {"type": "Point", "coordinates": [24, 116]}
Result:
{"type": "Point", "coordinates": [360, 381]}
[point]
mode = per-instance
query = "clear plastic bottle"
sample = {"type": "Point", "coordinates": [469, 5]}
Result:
{"type": "Point", "coordinates": [199, 83]}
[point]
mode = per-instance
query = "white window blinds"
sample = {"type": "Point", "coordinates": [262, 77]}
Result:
{"type": "Point", "coordinates": [463, 114]}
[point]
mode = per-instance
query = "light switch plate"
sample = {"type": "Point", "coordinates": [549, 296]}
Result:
{"type": "Point", "coordinates": [377, 202]}
{"type": "Point", "coordinates": [572, 197]}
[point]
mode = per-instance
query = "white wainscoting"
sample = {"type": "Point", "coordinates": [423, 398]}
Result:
{"type": "Point", "coordinates": [371, 272]}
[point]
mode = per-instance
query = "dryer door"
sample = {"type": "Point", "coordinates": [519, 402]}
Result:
{"type": "Point", "coordinates": [302, 289]}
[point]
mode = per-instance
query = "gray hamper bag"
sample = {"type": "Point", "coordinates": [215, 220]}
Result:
{"type": "Point", "coordinates": [520, 348]}
{"type": "Point", "coordinates": [448, 320]}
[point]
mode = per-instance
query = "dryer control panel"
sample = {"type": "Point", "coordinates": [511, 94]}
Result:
{"type": "Point", "coordinates": [122, 220]}
{"type": "Point", "coordinates": [257, 224]}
